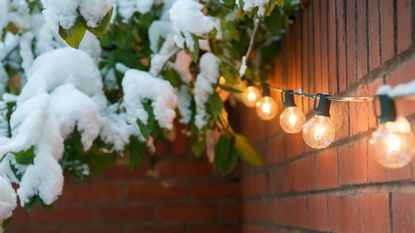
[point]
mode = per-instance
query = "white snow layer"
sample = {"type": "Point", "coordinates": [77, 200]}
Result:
{"type": "Point", "coordinates": [65, 12]}
{"type": "Point", "coordinates": [188, 20]}
{"type": "Point", "coordinates": [140, 86]}
{"type": "Point", "coordinates": [404, 89]}
{"type": "Point", "coordinates": [127, 8]}
{"type": "Point", "coordinates": [252, 4]}
{"type": "Point", "coordinates": [7, 198]}
{"type": "Point", "coordinates": [204, 86]}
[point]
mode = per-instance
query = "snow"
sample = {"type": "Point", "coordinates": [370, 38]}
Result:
{"type": "Point", "coordinates": [4, 13]}
{"type": "Point", "coordinates": [139, 86]}
{"type": "Point", "coordinates": [127, 8]}
{"type": "Point", "coordinates": [90, 44]}
{"type": "Point", "coordinates": [93, 11]}
{"type": "Point", "coordinates": [184, 104]}
{"type": "Point", "coordinates": [204, 86]}
{"type": "Point", "coordinates": [7, 198]}
{"type": "Point", "coordinates": [400, 90]}
{"type": "Point", "coordinates": [188, 20]}
{"type": "Point", "coordinates": [252, 4]}
{"type": "Point", "coordinates": [65, 12]}
{"type": "Point", "coordinates": [242, 69]}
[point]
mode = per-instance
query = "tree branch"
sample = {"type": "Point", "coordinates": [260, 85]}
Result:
{"type": "Point", "coordinates": [251, 46]}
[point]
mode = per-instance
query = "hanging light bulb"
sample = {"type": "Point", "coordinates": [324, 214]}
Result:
{"type": "Point", "coordinates": [251, 95]}
{"type": "Point", "coordinates": [319, 131]}
{"type": "Point", "coordinates": [292, 118]}
{"type": "Point", "coordinates": [266, 107]}
{"type": "Point", "coordinates": [393, 141]}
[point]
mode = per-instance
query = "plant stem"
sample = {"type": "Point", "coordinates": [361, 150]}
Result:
{"type": "Point", "coordinates": [172, 54]}
{"type": "Point", "coordinates": [251, 43]}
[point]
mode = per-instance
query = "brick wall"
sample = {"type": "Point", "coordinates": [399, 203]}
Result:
{"type": "Point", "coordinates": [342, 47]}
{"type": "Point", "coordinates": [181, 195]}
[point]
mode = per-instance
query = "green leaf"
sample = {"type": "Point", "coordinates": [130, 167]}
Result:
{"type": "Point", "coordinates": [25, 157]}
{"type": "Point", "coordinates": [147, 129]}
{"type": "Point", "coordinates": [246, 151]}
{"type": "Point", "coordinates": [196, 49]}
{"type": "Point", "coordinates": [74, 35]}
{"type": "Point", "coordinates": [215, 104]}
{"type": "Point", "coordinates": [5, 224]}
{"type": "Point", "coordinates": [135, 152]}
{"type": "Point", "coordinates": [230, 89]}
{"type": "Point", "coordinates": [198, 142]}
{"type": "Point", "coordinates": [225, 161]}
{"type": "Point", "coordinates": [102, 27]}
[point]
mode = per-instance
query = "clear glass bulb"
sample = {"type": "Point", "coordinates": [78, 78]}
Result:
{"type": "Point", "coordinates": [319, 132]}
{"type": "Point", "coordinates": [250, 96]}
{"type": "Point", "coordinates": [266, 108]}
{"type": "Point", "coordinates": [292, 120]}
{"type": "Point", "coordinates": [393, 143]}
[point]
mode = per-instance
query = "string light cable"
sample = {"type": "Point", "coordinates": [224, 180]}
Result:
{"type": "Point", "coordinates": [392, 141]}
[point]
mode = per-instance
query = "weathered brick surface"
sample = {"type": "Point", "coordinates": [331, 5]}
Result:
{"type": "Point", "coordinates": [353, 47]}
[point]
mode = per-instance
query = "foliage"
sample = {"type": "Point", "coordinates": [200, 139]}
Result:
{"type": "Point", "coordinates": [126, 43]}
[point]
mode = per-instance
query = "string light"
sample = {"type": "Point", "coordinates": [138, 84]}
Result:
{"type": "Point", "coordinates": [319, 131]}
{"type": "Point", "coordinates": [251, 95]}
{"type": "Point", "coordinates": [266, 107]}
{"type": "Point", "coordinates": [292, 118]}
{"type": "Point", "coordinates": [393, 142]}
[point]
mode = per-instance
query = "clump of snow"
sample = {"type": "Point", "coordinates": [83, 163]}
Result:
{"type": "Point", "coordinates": [65, 12]}
{"type": "Point", "coordinates": [249, 5]}
{"type": "Point", "coordinates": [384, 90]}
{"type": "Point", "coordinates": [7, 198]}
{"type": "Point", "coordinates": [188, 20]}
{"type": "Point", "coordinates": [242, 69]}
{"type": "Point", "coordinates": [404, 89]}
{"type": "Point", "coordinates": [90, 44]}
{"type": "Point", "coordinates": [93, 11]}
{"type": "Point", "coordinates": [4, 15]}
{"type": "Point", "coordinates": [185, 101]}
{"type": "Point", "coordinates": [140, 86]}
{"type": "Point", "coordinates": [204, 86]}
{"type": "Point", "coordinates": [127, 8]}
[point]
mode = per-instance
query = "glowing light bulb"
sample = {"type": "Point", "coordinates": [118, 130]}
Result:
{"type": "Point", "coordinates": [266, 108]}
{"type": "Point", "coordinates": [319, 132]}
{"type": "Point", "coordinates": [292, 120]}
{"type": "Point", "coordinates": [393, 143]}
{"type": "Point", "coordinates": [250, 96]}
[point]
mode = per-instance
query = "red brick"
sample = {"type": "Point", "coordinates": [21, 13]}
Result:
{"type": "Point", "coordinates": [361, 39]}
{"type": "Point", "coordinates": [184, 169]}
{"type": "Point", "coordinates": [296, 143]}
{"type": "Point", "coordinates": [290, 211]}
{"type": "Point", "coordinates": [277, 181]}
{"type": "Point", "coordinates": [353, 163]}
{"type": "Point", "coordinates": [156, 229]}
{"type": "Point", "coordinates": [339, 111]}
{"type": "Point", "coordinates": [187, 212]}
{"type": "Point", "coordinates": [276, 150]}
{"type": "Point", "coordinates": [317, 46]}
{"type": "Point", "coordinates": [351, 41]}
{"type": "Point", "coordinates": [257, 210]}
{"type": "Point", "coordinates": [20, 216]}
{"type": "Point", "coordinates": [403, 74]}
{"type": "Point", "coordinates": [32, 229]}
{"type": "Point", "coordinates": [378, 173]}
{"type": "Point", "coordinates": [64, 215]}
{"type": "Point", "coordinates": [318, 213]}
{"type": "Point", "coordinates": [337, 212]}
{"type": "Point", "coordinates": [230, 212]}
{"type": "Point", "coordinates": [359, 113]}
{"type": "Point", "coordinates": [404, 18]}
{"type": "Point", "coordinates": [216, 191]}
{"type": "Point", "coordinates": [95, 229]}
{"type": "Point", "coordinates": [125, 214]}
{"type": "Point", "coordinates": [404, 212]}
{"type": "Point", "coordinates": [326, 169]}
{"type": "Point", "coordinates": [332, 43]}
{"type": "Point", "coordinates": [301, 175]}
{"type": "Point", "coordinates": [376, 213]}
{"type": "Point", "coordinates": [83, 193]}
{"type": "Point", "coordinates": [304, 59]}
{"type": "Point", "coordinates": [215, 228]}
{"type": "Point", "coordinates": [121, 172]}
{"type": "Point", "coordinates": [324, 47]}
{"type": "Point", "coordinates": [374, 39]}
{"type": "Point", "coordinates": [156, 192]}
{"type": "Point", "coordinates": [254, 185]}
{"type": "Point", "coordinates": [386, 29]}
